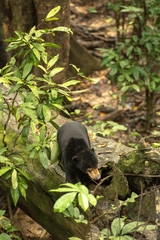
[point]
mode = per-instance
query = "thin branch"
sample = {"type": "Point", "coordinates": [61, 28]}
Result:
{"type": "Point", "coordinates": [102, 180]}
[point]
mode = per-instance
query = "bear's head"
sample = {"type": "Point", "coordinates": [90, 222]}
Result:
{"type": "Point", "coordinates": [87, 162]}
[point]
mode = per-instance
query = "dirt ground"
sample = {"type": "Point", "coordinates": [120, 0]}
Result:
{"type": "Point", "coordinates": [99, 93]}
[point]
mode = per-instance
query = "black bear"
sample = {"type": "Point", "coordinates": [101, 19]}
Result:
{"type": "Point", "coordinates": [79, 159]}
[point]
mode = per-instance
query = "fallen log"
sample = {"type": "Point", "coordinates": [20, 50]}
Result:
{"type": "Point", "coordinates": [115, 161]}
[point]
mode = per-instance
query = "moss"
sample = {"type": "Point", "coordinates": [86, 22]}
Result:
{"type": "Point", "coordinates": [133, 162]}
{"type": "Point", "coordinates": [11, 135]}
{"type": "Point", "coordinates": [119, 185]}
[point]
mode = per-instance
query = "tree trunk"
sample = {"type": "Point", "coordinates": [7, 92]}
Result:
{"type": "Point", "coordinates": [25, 14]}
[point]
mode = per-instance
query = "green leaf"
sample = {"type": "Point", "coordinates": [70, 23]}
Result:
{"type": "Point", "coordinates": [4, 170]}
{"type": "Point", "coordinates": [53, 61]}
{"type": "Point", "coordinates": [55, 71]}
{"type": "Point", "coordinates": [22, 190]}
{"type": "Point", "coordinates": [135, 87]}
{"type": "Point", "coordinates": [39, 47]}
{"type": "Point", "coordinates": [92, 10]}
{"type": "Point", "coordinates": [54, 151]}
{"type": "Point", "coordinates": [43, 158]}
{"type": "Point", "coordinates": [129, 227]}
{"type": "Point", "coordinates": [125, 88]}
{"type": "Point", "coordinates": [4, 236]}
{"type": "Point", "coordinates": [25, 133]}
{"type": "Point", "coordinates": [92, 200]}
{"type": "Point", "coordinates": [36, 53]}
{"type": "Point", "coordinates": [42, 133]}
{"type": "Point", "coordinates": [15, 195]}
{"type": "Point", "coordinates": [51, 45]}
{"type": "Point", "coordinates": [123, 63]}
{"type": "Point", "coordinates": [117, 226]}
{"type": "Point", "coordinates": [54, 94]}
{"type": "Point", "coordinates": [2, 212]}
{"type": "Point", "coordinates": [63, 190]}
{"type": "Point", "coordinates": [26, 70]}
{"type": "Point", "coordinates": [15, 236]}
{"type": "Point", "coordinates": [136, 73]}
{"type": "Point", "coordinates": [146, 227]}
{"type": "Point", "coordinates": [24, 174]}
{"type": "Point", "coordinates": [69, 83]}
{"type": "Point", "coordinates": [149, 46]}
{"type": "Point", "coordinates": [18, 114]}
{"type": "Point", "coordinates": [106, 232]}
{"type": "Point", "coordinates": [62, 29]}
{"type": "Point", "coordinates": [14, 179]}
{"type": "Point", "coordinates": [2, 150]}
{"type": "Point", "coordinates": [83, 201]}
{"type": "Point", "coordinates": [129, 50]}
{"type": "Point", "coordinates": [64, 202]}
{"type": "Point", "coordinates": [75, 238]}
{"type": "Point", "coordinates": [34, 89]}
{"type": "Point", "coordinates": [46, 113]}
{"type": "Point", "coordinates": [113, 71]}
{"type": "Point", "coordinates": [51, 19]}
{"type": "Point", "coordinates": [53, 12]}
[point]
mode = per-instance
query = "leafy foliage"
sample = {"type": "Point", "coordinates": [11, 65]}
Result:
{"type": "Point", "coordinates": [134, 63]}
{"type": "Point", "coordinates": [7, 231]}
{"type": "Point", "coordinates": [66, 202]}
{"type": "Point", "coordinates": [108, 128]}
{"type": "Point", "coordinates": [120, 230]}
{"type": "Point", "coordinates": [33, 99]}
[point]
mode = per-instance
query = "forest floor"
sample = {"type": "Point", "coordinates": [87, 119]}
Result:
{"type": "Point", "coordinates": [101, 102]}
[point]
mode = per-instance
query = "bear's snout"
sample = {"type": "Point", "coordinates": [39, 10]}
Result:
{"type": "Point", "coordinates": [94, 173]}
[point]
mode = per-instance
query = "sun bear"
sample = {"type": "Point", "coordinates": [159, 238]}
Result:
{"type": "Point", "coordinates": [79, 159]}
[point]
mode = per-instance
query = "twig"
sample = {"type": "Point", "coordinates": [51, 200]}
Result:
{"type": "Point", "coordinates": [102, 180]}
{"type": "Point", "coordinates": [9, 207]}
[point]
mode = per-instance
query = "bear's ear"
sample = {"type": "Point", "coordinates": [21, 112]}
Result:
{"type": "Point", "coordinates": [92, 150]}
{"type": "Point", "coordinates": [75, 158]}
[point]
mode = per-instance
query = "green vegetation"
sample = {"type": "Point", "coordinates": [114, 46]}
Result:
{"type": "Point", "coordinates": [66, 203]}
{"type": "Point", "coordinates": [120, 230]}
{"type": "Point", "coordinates": [134, 63]}
{"type": "Point", "coordinates": [7, 231]}
{"type": "Point", "coordinates": [33, 101]}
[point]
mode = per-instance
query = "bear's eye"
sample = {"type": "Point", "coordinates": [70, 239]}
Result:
{"type": "Point", "coordinates": [89, 170]}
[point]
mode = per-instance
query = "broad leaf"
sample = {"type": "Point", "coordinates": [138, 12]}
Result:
{"type": "Point", "coordinates": [92, 200]}
{"type": "Point", "coordinates": [53, 12]}
{"type": "Point", "coordinates": [117, 226]}
{"type": "Point", "coordinates": [52, 61]}
{"type": "Point", "coordinates": [54, 151]}
{"type": "Point", "coordinates": [46, 113]}
{"type": "Point", "coordinates": [64, 202]}
{"type": "Point", "coordinates": [2, 212]}
{"type": "Point", "coordinates": [43, 158]}
{"type": "Point", "coordinates": [15, 195]}
{"type": "Point", "coordinates": [4, 170]}
{"type": "Point", "coordinates": [14, 179]}
{"type": "Point", "coordinates": [27, 69]}
{"type": "Point", "coordinates": [55, 71]}
{"type": "Point", "coordinates": [42, 133]}
{"type": "Point", "coordinates": [83, 201]}
{"type": "Point", "coordinates": [4, 236]}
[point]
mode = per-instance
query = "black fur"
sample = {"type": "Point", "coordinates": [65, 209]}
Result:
{"type": "Point", "coordinates": [76, 152]}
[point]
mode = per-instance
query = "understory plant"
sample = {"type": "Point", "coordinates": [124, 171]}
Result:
{"type": "Point", "coordinates": [120, 230]}
{"type": "Point", "coordinates": [32, 99]}
{"type": "Point", "coordinates": [76, 194]}
{"type": "Point", "coordinates": [7, 231]}
{"type": "Point", "coordinates": [134, 63]}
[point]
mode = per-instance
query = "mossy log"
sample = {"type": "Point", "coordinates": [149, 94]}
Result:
{"type": "Point", "coordinates": [126, 167]}
{"type": "Point", "coordinates": [39, 204]}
